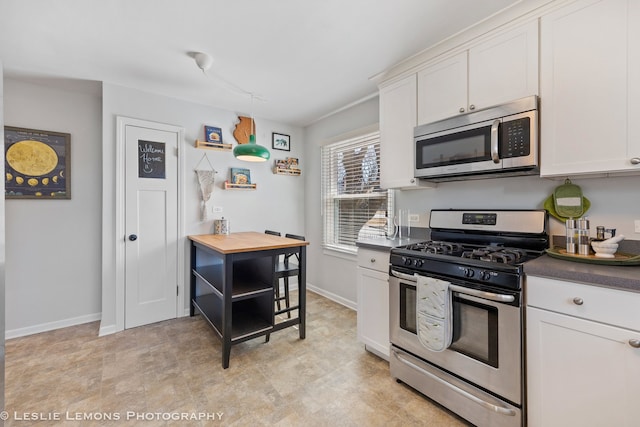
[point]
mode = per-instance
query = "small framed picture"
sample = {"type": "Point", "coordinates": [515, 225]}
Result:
{"type": "Point", "coordinates": [213, 134]}
{"type": "Point", "coordinates": [281, 141]}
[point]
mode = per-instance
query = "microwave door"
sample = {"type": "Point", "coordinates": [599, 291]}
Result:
{"type": "Point", "coordinates": [465, 150]}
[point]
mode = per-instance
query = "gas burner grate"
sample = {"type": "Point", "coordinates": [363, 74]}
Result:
{"type": "Point", "coordinates": [437, 247]}
{"type": "Point", "coordinates": [496, 254]}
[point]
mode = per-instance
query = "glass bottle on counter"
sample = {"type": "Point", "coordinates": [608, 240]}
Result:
{"type": "Point", "coordinates": [583, 236]}
{"type": "Point", "coordinates": [571, 236]}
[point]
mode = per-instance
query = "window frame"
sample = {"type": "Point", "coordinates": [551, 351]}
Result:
{"type": "Point", "coordinates": [334, 229]}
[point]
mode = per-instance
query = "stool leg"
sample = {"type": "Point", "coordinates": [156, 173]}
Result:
{"type": "Point", "coordinates": [286, 296]}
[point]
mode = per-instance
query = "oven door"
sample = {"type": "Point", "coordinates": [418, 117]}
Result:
{"type": "Point", "coordinates": [487, 347]}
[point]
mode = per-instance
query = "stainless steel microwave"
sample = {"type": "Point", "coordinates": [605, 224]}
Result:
{"type": "Point", "coordinates": [496, 141]}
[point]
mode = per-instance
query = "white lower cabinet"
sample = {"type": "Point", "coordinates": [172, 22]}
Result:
{"type": "Point", "coordinates": [583, 355]}
{"type": "Point", "coordinates": [373, 300]}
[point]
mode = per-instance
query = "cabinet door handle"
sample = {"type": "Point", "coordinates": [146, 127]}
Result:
{"type": "Point", "coordinates": [372, 260]}
{"type": "Point", "coordinates": [461, 109]}
{"type": "Point", "coordinates": [578, 301]}
{"type": "Point", "coordinates": [634, 343]}
{"type": "Point", "coordinates": [635, 161]}
{"type": "Point", "coordinates": [133, 237]}
{"type": "Point", "coordinates": [472, 107]}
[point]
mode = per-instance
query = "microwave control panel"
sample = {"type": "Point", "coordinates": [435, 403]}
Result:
{"type": "Point", "coordinates": [515, 139]}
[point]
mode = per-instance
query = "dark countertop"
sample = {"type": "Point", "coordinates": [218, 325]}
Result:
{"type": "Point", "coordinates": [626, 278]}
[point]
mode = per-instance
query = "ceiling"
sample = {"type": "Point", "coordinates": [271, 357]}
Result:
{"type": "Point", "coordinates": [302, 59]}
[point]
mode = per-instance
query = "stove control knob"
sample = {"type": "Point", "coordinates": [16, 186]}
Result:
{"type": "Point", "coordinates": [468, 272]}
{"type": "Point", "coordinates": [418, 263]}
{"type": "Point", "coordinates": [406, 261]}
{"type": "Point", "coordinates": [485, 275]}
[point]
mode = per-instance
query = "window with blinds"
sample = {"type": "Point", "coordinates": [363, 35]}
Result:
{"type": "Point", "coordinates": [354, 205]}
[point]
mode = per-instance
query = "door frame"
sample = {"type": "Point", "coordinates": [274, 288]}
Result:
{"type": "Point", "coordinates": [120, 235]}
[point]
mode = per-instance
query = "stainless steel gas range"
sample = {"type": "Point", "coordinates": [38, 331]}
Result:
{"type": "Point", "coordinates": [479, 256]}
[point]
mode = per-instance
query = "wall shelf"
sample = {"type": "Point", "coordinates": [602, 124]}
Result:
{"type": "Point", "coordinates": [213, 146]}
{"type": "Point", "coordinates": [230, 186]}
{"type": "Point", "coordinates": [282, 171]}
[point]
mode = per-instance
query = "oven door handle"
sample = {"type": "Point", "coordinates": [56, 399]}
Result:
{"type": "Point", "coordinates": [495, 408]}
{"type": "Point", "coordinates": [405, 276]}
{"type": "Point", "coordinates": [491, 296]}
{"type": "Point", "coordinates": [482, 294]}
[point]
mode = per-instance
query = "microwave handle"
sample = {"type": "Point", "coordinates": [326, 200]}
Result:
{"type": "Point", "coordinates": [494, 142]}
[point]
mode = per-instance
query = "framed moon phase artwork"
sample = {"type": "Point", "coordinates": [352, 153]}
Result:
{"type": "Point", "coordinates": [37, 164]}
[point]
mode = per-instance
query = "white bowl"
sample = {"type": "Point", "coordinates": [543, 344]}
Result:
{"type": "Point", "coordinates": [604, 250]}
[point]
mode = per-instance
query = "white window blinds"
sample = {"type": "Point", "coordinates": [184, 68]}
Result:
{"type": "Point", "coordinates": [354, 205]}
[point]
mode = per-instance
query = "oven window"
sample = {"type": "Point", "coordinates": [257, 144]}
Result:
{"type": "Point", "coordinates": [408, 307]}
{"type": "Point", "coordinates": [475, 330]}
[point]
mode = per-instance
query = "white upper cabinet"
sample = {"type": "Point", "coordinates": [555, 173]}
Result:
{"type": "Point", "coordinates": [499, 69]}
{"type": "Point", "coordinates": [442, 89]}
{"type": "Point", "coordinates": [504, 67]}
{"type": "Point", "coordinates": [397, 120]}
{"type": "Point", "coordinates": [590, 88]}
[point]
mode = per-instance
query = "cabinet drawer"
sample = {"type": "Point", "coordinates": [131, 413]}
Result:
{"type": "Point", "coordinates": [611, 306]}
{"type": "Point", "coordinates": [375, 260]}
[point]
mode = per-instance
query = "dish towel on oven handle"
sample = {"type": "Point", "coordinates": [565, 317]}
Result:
{"type": "Point", "coordinates": [434, 313]}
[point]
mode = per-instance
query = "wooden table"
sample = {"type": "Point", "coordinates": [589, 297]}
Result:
{"type": "Point", "coordinates": [232, 284]}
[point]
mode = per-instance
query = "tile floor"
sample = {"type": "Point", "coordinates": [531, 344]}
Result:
{"type": "Point", "coordinates": [173, 369]}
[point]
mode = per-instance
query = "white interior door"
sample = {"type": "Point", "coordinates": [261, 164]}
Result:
{"type": "Point", "coordinates": [151, 225]}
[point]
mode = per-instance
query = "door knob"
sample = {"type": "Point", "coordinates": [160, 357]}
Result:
{"type": "Point", "coordinates": [634, 343]}
{"type": "Point", "coordinates": [578, 301]}
{"type": "Point", "coordinates": [133, 237]}
{"type": "Point", "coordinates": [635, 161]}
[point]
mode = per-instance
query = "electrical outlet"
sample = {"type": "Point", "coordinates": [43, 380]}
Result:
{"type": "Point", "coordinates": [637, 225]}
{"type": "Point", "coordinates": [217, 209]}
{"type": "Point", "coordinates": [414, 217]}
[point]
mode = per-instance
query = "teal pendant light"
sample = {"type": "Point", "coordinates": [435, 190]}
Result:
{"type": "Point", "coordinates": [251, 152]}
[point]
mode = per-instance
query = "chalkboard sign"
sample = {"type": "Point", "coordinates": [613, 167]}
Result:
{"type": "Point", "coordinates": [151, 159]}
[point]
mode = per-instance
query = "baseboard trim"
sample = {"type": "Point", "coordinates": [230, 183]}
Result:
{"type": "Point", "coordinates": [44, 327]}
{"type": "Point", "coordinates": [333, 297]}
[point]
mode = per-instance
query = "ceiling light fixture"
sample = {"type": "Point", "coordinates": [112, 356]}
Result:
{"type": "Point", "coordinates": [251, 151]}
{"type": "Point", "coordinates": [204, 61]}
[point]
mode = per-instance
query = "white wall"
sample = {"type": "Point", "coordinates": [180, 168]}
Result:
{"type": "Point", "coordinates": [615, 202]}
{"type": "Point", "coordinates": [277, 204]}
{"type": "Point", "coordinates": [330, 273]}
{"type": "Point", "coordinates": [57, 271]}
{"type": "Point", "coordinates": [53, 246]}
